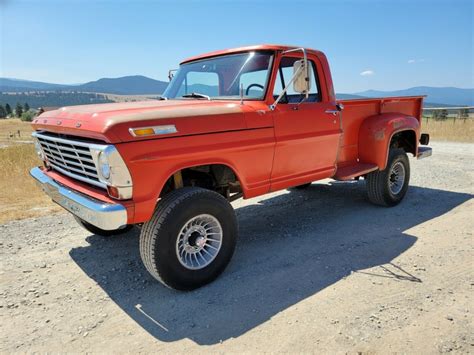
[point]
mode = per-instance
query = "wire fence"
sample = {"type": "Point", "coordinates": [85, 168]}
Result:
{"type": "Point", "coordinates": [453, 113]}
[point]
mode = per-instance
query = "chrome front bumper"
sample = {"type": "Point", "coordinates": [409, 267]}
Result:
{"type": "Point", "coordinates": [106, 216]}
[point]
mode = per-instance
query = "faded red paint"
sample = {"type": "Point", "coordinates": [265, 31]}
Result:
{"type": "Point", "coordinates": [267, 150]}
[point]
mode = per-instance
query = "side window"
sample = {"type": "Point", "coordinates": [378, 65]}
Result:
{"type": "Point", "coordinates": [254, 83]}
{"type": "Point", "coordinates": [284, 75]}
{"type": "Point", "coordinates": [206, 83]}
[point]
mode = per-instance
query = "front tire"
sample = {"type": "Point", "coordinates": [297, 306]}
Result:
{"type": "Point", "coordinates": [190, 238]}
{"type": "Point", "coordinates": [389, 186]}
{"type": "Point", "coordinates": [104, 233]}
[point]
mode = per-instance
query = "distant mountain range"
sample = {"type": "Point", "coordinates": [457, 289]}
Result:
{"type": "Point", "coordinates": [127, 85]}
{"type": "Point", "coordinates": [18, 85]}
{"type": "Point", "coordinates": [142, 85]}
{"type": "Point", "coordinates": [445, 95]}
{"type": "Point", "coordinates": [349, 96]}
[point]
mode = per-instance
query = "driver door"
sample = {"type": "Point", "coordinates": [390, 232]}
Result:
{"type": "Point", "coordinates": [307, 137]}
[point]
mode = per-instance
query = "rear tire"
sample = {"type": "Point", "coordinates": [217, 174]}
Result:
{"type": "Point", "coordinates": [190, 238]}
{"type": "Point", "coordinates": [389, 186]}
{"type": "Point", "coordinates": [104, 233]}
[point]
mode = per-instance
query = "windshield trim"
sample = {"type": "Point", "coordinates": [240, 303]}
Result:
{"type": "Point", "coordinates": [263, 51]}
{"type": "Point", "coordinates": [272, 54]}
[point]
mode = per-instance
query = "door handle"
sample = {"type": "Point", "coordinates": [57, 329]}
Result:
{"type": "Point", "coordinates": [332, 112]}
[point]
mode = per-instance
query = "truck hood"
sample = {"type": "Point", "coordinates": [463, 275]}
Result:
{"type": "Point", "coordinates": [111, 122]}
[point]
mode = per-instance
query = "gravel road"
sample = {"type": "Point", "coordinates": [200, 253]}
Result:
{"type": "Point", "coordinates": [319, 270]}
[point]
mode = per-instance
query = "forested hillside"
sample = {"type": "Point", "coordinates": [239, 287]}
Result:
{"type": "Point", "coordinates": [51, 99]}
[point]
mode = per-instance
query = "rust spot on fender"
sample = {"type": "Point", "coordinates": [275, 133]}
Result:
{"type": "Point", "coordinates": [379, 135]}
{"type": "Point", "coordinates": [397, 124]}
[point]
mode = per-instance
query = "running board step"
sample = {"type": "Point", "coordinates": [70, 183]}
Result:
{"type": "Point", "coordinates": [351, 171]}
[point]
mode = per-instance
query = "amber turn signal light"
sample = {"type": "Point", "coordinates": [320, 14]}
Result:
{"type": "Point", "coordinates": [140, 132]}
{"type": "Point", "coordinates": [153, 131]}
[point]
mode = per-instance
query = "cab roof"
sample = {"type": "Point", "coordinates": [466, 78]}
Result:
{"type": "Point", "coordinates": [260, 47]}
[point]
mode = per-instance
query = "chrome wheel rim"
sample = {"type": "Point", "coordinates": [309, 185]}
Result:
{"type": "Point", "coordinates": [397, 178]}
{"type": "Point", "coordinates": [199, 242]}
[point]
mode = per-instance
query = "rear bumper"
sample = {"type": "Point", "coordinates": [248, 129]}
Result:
{"type": "Point", "coordinates": [424, 152]}
{"type": "Point", "coordinates": [106, 216]}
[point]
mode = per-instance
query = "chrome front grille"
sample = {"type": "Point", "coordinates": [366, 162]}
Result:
{"type": "Point", "coordinates": [70, 157]}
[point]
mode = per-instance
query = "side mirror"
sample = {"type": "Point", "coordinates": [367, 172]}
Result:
{"type": "Point", "coordinates": [302, 81]}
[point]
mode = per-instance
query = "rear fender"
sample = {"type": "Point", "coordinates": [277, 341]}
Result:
{"type": "Point", "coordinates": [376, 132]}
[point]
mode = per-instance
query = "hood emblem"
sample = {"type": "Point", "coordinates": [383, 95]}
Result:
{"type": "Point", "coordinates": [58, 123]}
{"type": "Point", "coordinates": [78, 124]}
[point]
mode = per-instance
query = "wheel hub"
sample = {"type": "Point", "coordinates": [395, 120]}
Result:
{"type": "Point", "coordinates": [397, 178]}
{"type": "Point", "coordinates": [199, 242]}
{"type": "Point", "coordinates": [193, 237]}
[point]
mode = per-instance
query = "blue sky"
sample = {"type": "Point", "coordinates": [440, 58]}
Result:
{"type": "Point", "coordinates": [383, 45]}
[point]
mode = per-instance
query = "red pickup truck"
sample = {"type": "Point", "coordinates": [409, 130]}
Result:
{"type": "Point", "coordinates": [235, 123]}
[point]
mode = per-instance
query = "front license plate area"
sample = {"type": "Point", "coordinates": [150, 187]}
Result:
{"type": "Point", "coordinates": [70, 205]}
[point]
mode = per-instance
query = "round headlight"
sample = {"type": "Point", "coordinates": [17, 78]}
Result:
{"type": "Point", "coordinates": [39, 151]}
{"type": "Point", "coordinates": [104, 166]}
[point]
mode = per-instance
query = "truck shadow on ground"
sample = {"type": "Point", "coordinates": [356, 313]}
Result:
{"type": "Point", "coordinates": [291, 246]}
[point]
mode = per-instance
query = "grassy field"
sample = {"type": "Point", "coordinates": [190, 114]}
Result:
{"type": "Point", "coordinates": [130, 98]}
{"type": "Point", "coordinates": [13, 131]}
{"type": "Point", "coordinates": [450, 130]}
{"type": "Point", "coordinates": [19, 195]}
{"type": "Point", "coordinates": [21, 198]}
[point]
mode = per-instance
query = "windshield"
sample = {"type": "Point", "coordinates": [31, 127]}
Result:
{"type": "Point", "coordinates": [221, 77]}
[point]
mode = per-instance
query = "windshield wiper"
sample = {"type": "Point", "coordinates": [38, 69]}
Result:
{"type": "Point", "coordinates": [162, 98]}
{"type": "Point", "coordinates": [197, 95]}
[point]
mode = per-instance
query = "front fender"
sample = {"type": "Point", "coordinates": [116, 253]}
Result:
{"type": "Point", "coordinates": [377, 131]}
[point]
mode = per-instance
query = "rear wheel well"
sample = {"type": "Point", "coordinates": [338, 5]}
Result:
{"type": "Point", "coordinates": [405, 140]}
{"type": "Point", "coordinates": [216, 177]}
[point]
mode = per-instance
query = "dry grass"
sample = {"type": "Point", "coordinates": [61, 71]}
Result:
{"type": "Point", "coordinates": [450, 130]}
{"type": "Point", "coordinates": [128, 98]}
{"type": "Point", "coordinates": [19, 195]}
{"type": "Point", "coordinates": [12, 126]}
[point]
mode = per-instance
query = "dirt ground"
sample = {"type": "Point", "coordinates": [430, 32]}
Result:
{"type": "Point", "coordinates": [319, 270]}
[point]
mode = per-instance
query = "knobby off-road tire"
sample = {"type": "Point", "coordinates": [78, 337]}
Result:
{"type": "Point", "coordinates": [388, 187]}
{"type": "Point", "coordinates": [97, 231]}
{"type": "Point", "coordinates": [185, 222]}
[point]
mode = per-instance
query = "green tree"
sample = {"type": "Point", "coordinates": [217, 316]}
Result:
{"type": "Point", "coordinates": [8, 109]}
{"type": "Point", "coordinates": [26, 106]}
{"type": "Point", "coordinates": [18, 110]}
{"type": "Point", "coordinates": [27, 116]}
{"type": "Point", "coordinates": [3, 112]}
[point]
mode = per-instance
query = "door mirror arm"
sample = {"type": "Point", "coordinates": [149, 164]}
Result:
{"type": "Point", "coordinates": [300, 69]}
{"type": "Point", "coordinates": [171, 73]}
